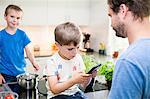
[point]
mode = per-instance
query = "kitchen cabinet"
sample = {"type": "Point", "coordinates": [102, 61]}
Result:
{"type": "Point", "coordinates": [56, 11]}
{"type": "Point", "coordinates": [68, 10]}
{"type": "Point", "coordinates": [35, 11]}
{"type": "Point", "coordinates": [50, 12]}
{"type": "Point", "coordinates": [79, 11]}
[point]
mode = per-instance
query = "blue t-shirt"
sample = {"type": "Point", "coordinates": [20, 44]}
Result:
{"type": "Point", "coordinates": [131, 79]}
{"type": "Point", "coordinates": [12, 61]}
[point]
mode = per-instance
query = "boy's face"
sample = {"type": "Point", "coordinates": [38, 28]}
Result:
{"type": "Point", "coordinates": [67, 51]}
{"type": "Point", "coordinates": [13, 18]}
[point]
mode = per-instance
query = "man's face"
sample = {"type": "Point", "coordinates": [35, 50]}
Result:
{"type": "Point", "coordinates": [13, 18]}
{"type": "Point", "coordinates": [117, 25]}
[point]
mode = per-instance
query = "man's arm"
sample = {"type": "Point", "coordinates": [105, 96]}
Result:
{"type": "Point", "coordinates": [127, 81]}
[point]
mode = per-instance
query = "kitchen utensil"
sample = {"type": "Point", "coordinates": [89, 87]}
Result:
{"type": "Point", "coordinates": [10, 83]}
{"type": "Point", "coordinates": [27, 80]}
{"type": "Point", "coordinates": [41, 88]}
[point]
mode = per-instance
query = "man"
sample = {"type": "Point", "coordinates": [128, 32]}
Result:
{"type": "Point", "coordinates": [131, 78]}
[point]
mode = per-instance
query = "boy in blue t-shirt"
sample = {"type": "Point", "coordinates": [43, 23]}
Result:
{"type": "Point", "coordinates": [13, 41]}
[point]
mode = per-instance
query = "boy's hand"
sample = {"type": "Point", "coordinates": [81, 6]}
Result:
{"type": "Point", "coordinates": [36, 66]}
{"type": "Point", "coordinates": [80, 77]}
{"type": "Point", "coordinates": [2, 80]}
{"type": "Point", "coordinates": [94, 73]}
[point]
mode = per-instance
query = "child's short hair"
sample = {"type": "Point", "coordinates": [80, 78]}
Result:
{"type": "Point", "coordinates": [67, 33]}
{"type": "Point", "coordinates": [14, 7]}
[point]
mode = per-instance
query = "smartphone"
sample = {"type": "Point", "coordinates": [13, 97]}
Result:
{"type": "Point", "coordinates": [93, 68]}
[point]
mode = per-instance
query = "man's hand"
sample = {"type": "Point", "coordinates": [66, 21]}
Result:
{"type": "Point", "coordinates": [2, 80]}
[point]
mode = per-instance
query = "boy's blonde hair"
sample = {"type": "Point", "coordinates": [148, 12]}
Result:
{"type": "Point", "coordinates": [14, 7]}
{"type": "Point", "coordinates": [67, 33]}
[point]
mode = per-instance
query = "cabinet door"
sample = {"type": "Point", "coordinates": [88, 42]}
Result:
{"type": "Point", "coordinates": [78, 11]}
{"type": "Point", "coordinates": [56, 11]}
{"type": "Point", "coordinates": [50, 12]}
{"type": "Point", "coordinates": [68, 10]}
{"type": "Point", "coordinates": [35, 11]}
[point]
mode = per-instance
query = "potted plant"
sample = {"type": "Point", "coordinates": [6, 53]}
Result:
{"type": "Point", "coordinates": [89, 62]}
{"type": "Point", "coordinates": [102, 48]}
{"type": "Point", "coordinates": [107, 70]}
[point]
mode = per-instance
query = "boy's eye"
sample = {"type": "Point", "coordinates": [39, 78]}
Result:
{"type": "Point", "coordinates": [70, 49]}
{"type": "Point", "coordinates": [18, 18]}
{"type": "Point", "coordinates": [12, 16]}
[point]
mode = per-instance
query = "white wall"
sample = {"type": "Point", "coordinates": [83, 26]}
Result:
{"type": "Point", "coordinates": [50, 12]}
{"type": "Point", "coordinates": [98, 23]}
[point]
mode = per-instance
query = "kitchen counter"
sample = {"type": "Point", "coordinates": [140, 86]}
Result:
{"type": "Point", "coordinates": [46, 53]}
{"type": "Point", "coordinates": [42, 57]}
{"type": "Point", "coordinates": [99, 57]}
{"type": "Point", "coordinates": [97, 94]}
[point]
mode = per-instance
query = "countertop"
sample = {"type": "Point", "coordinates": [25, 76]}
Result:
{"type": "Point", "coordinates": [45, 53]}
{"type": "Point", "coordinates": [42, 57]}
{"type": "Point", "coordinates": [97, 94]}
{"type": "Point", "coordinates": [48, 53]}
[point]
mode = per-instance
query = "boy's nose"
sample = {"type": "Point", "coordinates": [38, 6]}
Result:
{"type": "Point", "coordinates": [15, 20]}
